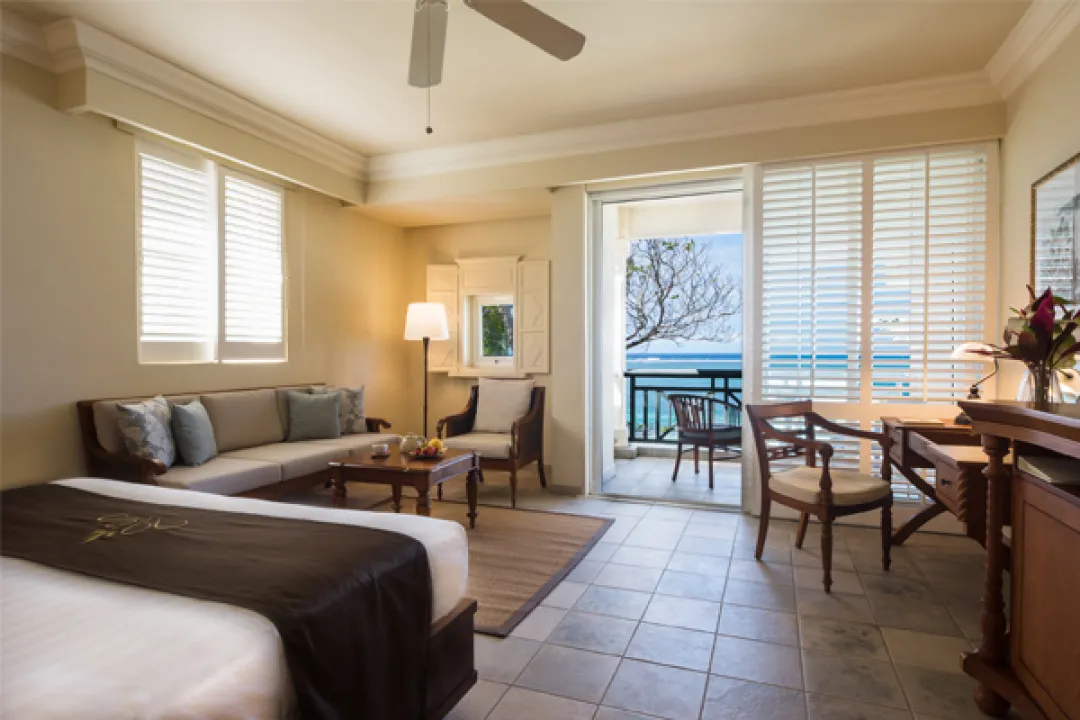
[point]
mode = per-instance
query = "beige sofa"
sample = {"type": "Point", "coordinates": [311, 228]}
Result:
{"type": "Point", "coordinates": [249, 427]}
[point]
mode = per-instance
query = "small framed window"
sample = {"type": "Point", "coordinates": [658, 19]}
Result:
{"type": "Point", "coordinates": [493, 340]}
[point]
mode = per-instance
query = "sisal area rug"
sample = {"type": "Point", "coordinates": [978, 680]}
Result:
{"type": "Point", "coordinates": [517, 557]}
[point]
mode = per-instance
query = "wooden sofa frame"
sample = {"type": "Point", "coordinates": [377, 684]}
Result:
{"type": "Point", "coordinates": [526, 439]}
{"type": "Point", "coordinates": [122, 466]}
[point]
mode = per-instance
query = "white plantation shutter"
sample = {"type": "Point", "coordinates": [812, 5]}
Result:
{"type": "Point", "coordinates": [177, 258]}
{"type": "Point", "coordinates": [253, 325]}
{"type": "Point", "coordinates": [929, 273]}
{"type": "Point", "coordinates": [873, 269]}
{"type": "Point", "coordinates": [811, 230]}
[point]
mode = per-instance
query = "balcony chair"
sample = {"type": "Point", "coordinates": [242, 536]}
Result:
{"type": "Point", "coordinates": [520, 445]}
{"type": "Point", "coordinates": [824, 492]}
{"type": "Point", "coordinates": [695, 417]}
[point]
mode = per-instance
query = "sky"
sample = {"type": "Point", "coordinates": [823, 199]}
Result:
{"type": "Point", "coordinates": [725, 250]}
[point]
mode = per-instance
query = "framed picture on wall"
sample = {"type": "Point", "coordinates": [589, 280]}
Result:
{"type": "Point", "coordinates": [1055, 231]}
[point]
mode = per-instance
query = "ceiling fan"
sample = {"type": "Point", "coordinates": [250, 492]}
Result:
{"type": "Point", "coordinates": [517, 16]}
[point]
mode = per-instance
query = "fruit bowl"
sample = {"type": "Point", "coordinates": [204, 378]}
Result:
{"type": "Point", "coordinates": [421, 455]}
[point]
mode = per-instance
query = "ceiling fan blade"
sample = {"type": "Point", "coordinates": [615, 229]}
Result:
{"type": "Point", "coordinates": [528, 23]}
{"type": "Point", "coordinates": [428, 43]}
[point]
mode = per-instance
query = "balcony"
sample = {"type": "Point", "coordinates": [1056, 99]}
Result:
{"type": "Point", "coordinates": [649, 416]}
{"type": "Point", "coordinates": [653, 435]}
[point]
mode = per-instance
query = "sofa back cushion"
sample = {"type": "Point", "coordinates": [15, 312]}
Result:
{"type": "Point", "coordinates": [244, 418]}
{"type": "Point", "coordinates": [500, 403]}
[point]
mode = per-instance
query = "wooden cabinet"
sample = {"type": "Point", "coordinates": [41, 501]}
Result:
{"type": "Point", "coordinates": [1045, 593]}
{"type": "Point", "coordinates": [1029, 658]}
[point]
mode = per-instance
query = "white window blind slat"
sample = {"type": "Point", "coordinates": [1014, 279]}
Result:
{"type": "Point", "coordinates": [253, 273]}
{"type": "Point", "coordinates": [177, 262]}
{"type": "Point", "coordinates": [811, 268]}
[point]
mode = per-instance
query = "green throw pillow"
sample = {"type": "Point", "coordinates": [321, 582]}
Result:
{"type": "Point", "coordinates": [193, 433]}
{"type": "Point", "coordinates": [314, 417]}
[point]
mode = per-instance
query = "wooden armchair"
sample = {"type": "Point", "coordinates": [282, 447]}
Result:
{"type": "Point", "coordinates": [695, 416]}
{"type": "Point", "coordinates": [824, 492]}
{"type": "Point", "coordinates": [524, 444]}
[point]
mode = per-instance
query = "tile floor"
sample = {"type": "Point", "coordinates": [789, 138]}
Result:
{"type": "Point", "coordinates": [650, 478]}
{"type": "Point", "coordinates": [670, 616]}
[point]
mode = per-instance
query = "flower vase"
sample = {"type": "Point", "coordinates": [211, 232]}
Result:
{"type": "Point", "coordinates": [1042, 387]}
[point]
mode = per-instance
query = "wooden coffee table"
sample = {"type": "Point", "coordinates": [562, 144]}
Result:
{"type": "Point", "coordinates": [399, 470]}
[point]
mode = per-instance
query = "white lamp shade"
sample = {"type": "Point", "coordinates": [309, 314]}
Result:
{"type": "Point", "coordinates": [426, 320]}
{"type": "Point", "coordinates": [964, 351]}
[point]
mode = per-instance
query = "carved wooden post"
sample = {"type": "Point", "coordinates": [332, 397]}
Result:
{"type": "Point", "coordinates": [994, 647]}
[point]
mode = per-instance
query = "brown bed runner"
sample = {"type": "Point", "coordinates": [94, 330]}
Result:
{"type": "Point", "coordinates": [352, 605]}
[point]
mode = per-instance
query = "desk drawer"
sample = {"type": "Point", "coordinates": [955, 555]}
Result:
{"type": "Point", "coordinates": [950, 490]}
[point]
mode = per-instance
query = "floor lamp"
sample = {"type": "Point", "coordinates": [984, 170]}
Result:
{"type": "Point", "coordinates": [426, 321]}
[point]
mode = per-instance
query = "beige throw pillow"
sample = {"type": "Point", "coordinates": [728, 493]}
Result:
{"type": "Point", "coordinates": [500, 403]}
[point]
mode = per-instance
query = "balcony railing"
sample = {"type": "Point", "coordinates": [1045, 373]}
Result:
{"type": "Point", "coordinates": [649, 415]}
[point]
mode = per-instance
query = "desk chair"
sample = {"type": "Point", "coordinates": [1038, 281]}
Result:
{"type": "Point", "coordinates": [824, 492]}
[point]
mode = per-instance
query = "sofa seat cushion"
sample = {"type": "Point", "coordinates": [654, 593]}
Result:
{"type": "Point", "coordinates": [487, 445]}
{"type": "Point", "coordinates": [296, 458]}
{"type": "Point", "coordinates": [222, 476]}
{"type": "Point", "coordinates": [348, 444]}
{"type": "Point", "coordinates": [848, 487]}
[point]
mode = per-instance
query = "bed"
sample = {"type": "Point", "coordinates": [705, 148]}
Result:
{"type": "Point", "coordinates": [77, 646]}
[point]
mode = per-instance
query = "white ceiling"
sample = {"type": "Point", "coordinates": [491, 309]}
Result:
{"type": "Point", "coordinates": [340, 67]}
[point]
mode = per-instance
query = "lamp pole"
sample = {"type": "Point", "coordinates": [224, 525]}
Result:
{"type": "Point", "coordinates": [427, 341]}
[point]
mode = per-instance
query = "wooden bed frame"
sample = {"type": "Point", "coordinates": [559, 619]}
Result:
{"type": "Point", "coordinates": [451, 670]}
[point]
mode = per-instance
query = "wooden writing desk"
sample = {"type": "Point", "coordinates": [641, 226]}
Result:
{"type": "Point", "coordinates": [963, 491]}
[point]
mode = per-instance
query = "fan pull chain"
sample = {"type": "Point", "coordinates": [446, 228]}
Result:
{"type": "Point", "coordinates": [430, 130]}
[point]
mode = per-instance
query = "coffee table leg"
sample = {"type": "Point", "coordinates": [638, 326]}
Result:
{"type": "Point", "coordinates": [395, 489]}
{"type": "Point", "coordinates": [471, 491]}
{"type": "Point", "coordinates": [339, 488]}
{"type": "Point", "coordinates": [423, 498]}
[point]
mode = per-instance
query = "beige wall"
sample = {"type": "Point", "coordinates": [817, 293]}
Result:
{"type": "Point", "coordinates": [528, 237]}
{"type": "Point", "coordinates": [1043, 131]}
{"type": "Point", "coordinates": [68, 287]}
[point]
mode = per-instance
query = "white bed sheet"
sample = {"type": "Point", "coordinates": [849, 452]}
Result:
{"type": "Point", "coordinates": [78, 647]}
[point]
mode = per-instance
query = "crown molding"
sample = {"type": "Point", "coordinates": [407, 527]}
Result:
{"type": "Point", "coordinates": [954, 91]}
{"type": "Point", "coordinates": [1043, 27]}
{"type": "Point", "coordinates": [24, 40]}
{"type": "Point", "coordinates": [73, 45]}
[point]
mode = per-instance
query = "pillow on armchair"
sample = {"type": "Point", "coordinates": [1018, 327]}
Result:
{"type": "Point", "coordinates": [500, 402]}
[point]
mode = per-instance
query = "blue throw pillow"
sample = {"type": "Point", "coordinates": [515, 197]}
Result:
{"type": "Point", "coordinates": [194, 433]}
{"type": "Point", "coordinates": [314, 417]}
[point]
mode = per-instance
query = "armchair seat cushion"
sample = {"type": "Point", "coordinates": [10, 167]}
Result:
{"type": "Point", "coordinates": [495, 446]}
{"type": "Point", "coordinates": [849, 487]}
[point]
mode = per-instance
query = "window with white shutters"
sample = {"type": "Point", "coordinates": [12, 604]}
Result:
{"type": "Point", "coordinates": [177, 259]}
{"type": "Point", "coordinates": [253, 276]}
{"type": "Point", "coordinates": [811, 234]}
{"type": "Point", "coordinates": [873, 269]}
{"type": "Point", "coordinates": [211, 278]}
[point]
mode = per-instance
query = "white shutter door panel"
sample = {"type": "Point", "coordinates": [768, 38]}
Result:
{"type": "Point", "coordinates": [253, 271]}
{"type": "Point", "coordinates": [177, 258]}
{"type": "Point", "coordinates": [811, 281]}
{"type": "Point", "coordinates": [533, 316]}
{"type": "Point", "coordinates": [929, 273]}
{"type": "Point", "coordinates": [442, 287]}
